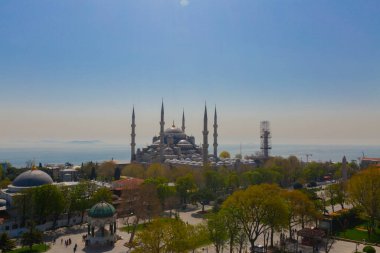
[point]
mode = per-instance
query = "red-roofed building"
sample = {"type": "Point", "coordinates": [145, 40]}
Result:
{"type": "Point", "coordinates": [129, 183]}
{"type": "Point", "coordinates": [367, 161]}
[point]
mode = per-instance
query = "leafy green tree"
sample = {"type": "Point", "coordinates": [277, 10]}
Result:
{"type": "Point", "coordinates": [203, 196]}
{"type": "Point", "coordinates": [81, 197]}
{"type": "Point", "coordinates": [364, 192]}
{"type": "Point", "coordinates": [134, 170]}
{"type": "Point", "coordinates": [169, 235]}
{"type": "Point", "coordinates": [216, 229]}
{"type": "Point", "coordinates": [106, 170]}
{"type": "Point", "coordinates": [117, 173]}
{"type": "Point", "coordinates": [33, 236]}
{"type": "Point", "coordinates": [156, 170]}
{"type": "Point", "coordinates": [4, 183]}
{"type": "Point", "coordinates": [331, 194]}
{"type": "Point", "coordinates": [152, 239]}
{"type": "Point", "coordinates": [313, 171]}
{"type": "Point", "coordinates": [185, 186]}
{"type": "Point", "coordinates": [6, 243]}
{"type": "Point", "coordinates": [252, 207]}
{"type": "Point", "coordinates": [214, 180]}
{"type": "Point", "coordinates": [300, 209]}
{"type": "Point", "coordinates": [164, 191]}
{"type": "Point", "coordinates": [102, 194]}
{"type": "Point", "coordinates": [224, 154]}
{"type": "Point", "coordinates": [24, 205]}
{"type": "Point", "coordinates": [57, 202]}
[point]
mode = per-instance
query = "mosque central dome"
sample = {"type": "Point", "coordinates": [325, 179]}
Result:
{"type": "Point", "coordinates": [173, 130]}
{"type": "Point", "coordinates": [32, 178]}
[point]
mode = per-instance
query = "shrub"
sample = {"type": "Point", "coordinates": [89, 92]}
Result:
{"type": "Point", "coordinates": [297, 186]}
{"type": "Point", "coordinates": [312, 184]}
{"type": "Point", "coordinates": [369, 249]}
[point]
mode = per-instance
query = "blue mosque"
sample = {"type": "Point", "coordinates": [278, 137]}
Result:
{"type": "Point", "coordinates": [173, 144]}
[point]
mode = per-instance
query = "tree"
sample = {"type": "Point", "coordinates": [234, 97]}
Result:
{"type": "Point", "coordinates": [134, 170]}
{"type": "Point", "coordinates": [33, 236]}
{"type": "Point", "coordinates": [6, 243]}
{"type": "Point", "coordinates": [40, 203]}
{"type": "Point", "coordinates": [217, 231]}
{"type": "Point", "coordinates": [152, 239]}
{"type": "Point", "coordinates": [301, 209]}
{"type": "Point", "coordinates": [214, 180]}
{"type": "Point", "coordinates": [106, 170]}
{"type": "Point", "coordinates": [24, 206]}
{"type": "Point", "coordinates": [169, 235]}
{"type": "Point", "coordinates": [224, 154]}
{"type": "Point", "coordinates": [252, 207]}
{"type": "Point", "coordinates": [156, 170]}
{"type": "Point", "coordinates": [364, 192]}
{"type": "Point", "coordinates": [81, 198]}
{"type": "Point", "coordinates": [330, 193]}
{"type": "Point", "coordinates": [117, 173]}
{"type": "Point", "coordinates": [57, 202]}
{"type": "Point", "coordinates": [4, 183]}
{"type": "Point", "coordinates": [184, 186]}
{"type": "Point", "coordinates": [233, 228]}
{"type": "Point", "coordinates": [203, 196]}
{"type": "Point", "coordinates": [143, 203]}
{"type": "Point", "coordinates": [164, 190]}
{"type": "Point", "coordinates": [101, 194]}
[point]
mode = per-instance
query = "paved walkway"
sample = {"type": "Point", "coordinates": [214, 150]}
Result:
{"type": "Point", "coordinates": [75, 234]}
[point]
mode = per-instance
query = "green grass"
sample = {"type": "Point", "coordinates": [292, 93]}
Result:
{"type": "Point", "coordinates": [129, 228]}
{"type": "Point", "coordinates": [35, 249]}
{"type": "Point", "coordinates": [359, 235]}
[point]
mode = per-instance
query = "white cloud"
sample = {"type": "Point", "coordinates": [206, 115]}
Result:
{"type": "Point", "coordinates": [184, 2]}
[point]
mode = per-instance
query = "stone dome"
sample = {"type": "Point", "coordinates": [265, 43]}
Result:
{"type": "Point", "coordinates": [102, 210]}
{"type": "Point", "coordinates": [173, 130]}
{"type": "Point", "coordinates": [32, 178]}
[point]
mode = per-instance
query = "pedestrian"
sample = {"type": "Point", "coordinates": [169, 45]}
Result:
{"type": "Point", "coordinates": [61, 241]}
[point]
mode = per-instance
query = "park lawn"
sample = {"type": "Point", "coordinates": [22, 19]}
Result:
{"type": "Point", "coordinates": [35, 249]}
{"type": "Point", "coordinates": [129, 228]}
{"type": "Point", "coordinates": [140, 226]}
{"type": "Point", "coordinates": [359, 235]}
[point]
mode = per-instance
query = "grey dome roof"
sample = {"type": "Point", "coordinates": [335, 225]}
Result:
{"type": "Point", "coordinates": [184, 142]}
{"type": "Point", "coordinates": [32, 178]}
{"type": "Point", "coordinates": [173, 130]}
{"type": "Point", "coordinates": [102, 210]}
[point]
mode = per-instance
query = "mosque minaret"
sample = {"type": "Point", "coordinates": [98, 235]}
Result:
{"type": "Point", "coordinates": [173, 144]}
{"type": "Point", "coordinates": [215, 136]}
{"type": "Point", "coordinates": [205, 139]}
{"type": "Point", "coordinates": [162, 125]}
{"type": "Point", "coordinates": [133, 136]}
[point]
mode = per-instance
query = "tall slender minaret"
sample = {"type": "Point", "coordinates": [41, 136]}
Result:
{"type": "Point", "coordinates": [205, 139]}
{"type": "Point", "coordinates": [183, 121]}
{"type": "Point", "coordinates": [215, 135]}
{"type": "Point", "coordinates": [133, 135]}
{"type": "Point", "coordinates": [162, 125]}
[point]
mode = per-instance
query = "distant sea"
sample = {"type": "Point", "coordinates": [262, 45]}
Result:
{"type": "Point", "coordinates": [76, 154]}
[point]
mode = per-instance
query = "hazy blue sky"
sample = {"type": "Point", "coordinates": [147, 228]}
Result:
{"type": "Point", "coordinates": [71, 70]}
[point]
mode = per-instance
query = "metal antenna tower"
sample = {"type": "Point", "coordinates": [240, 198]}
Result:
{"type": "Point", "coordinates": [265, 136]}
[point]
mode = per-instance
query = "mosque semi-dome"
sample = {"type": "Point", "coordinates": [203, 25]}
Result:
{"type": "Point", "coordinates": [32, 178]}
{"type": "Point", "coordinates": [102, 210]}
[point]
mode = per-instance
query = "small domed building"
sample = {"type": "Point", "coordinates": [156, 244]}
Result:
{"type": "Point", "coordinates": [28, 179]}
{"type": "Point", "coordinates": [101, 225]}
